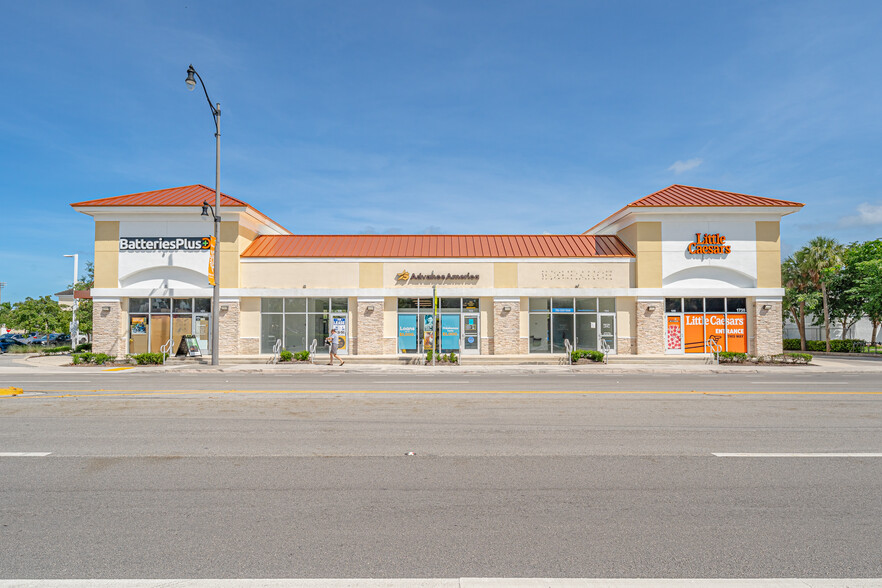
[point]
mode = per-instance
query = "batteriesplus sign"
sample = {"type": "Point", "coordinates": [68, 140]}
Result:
{"type": "Point", "coordinates": [164, 243]}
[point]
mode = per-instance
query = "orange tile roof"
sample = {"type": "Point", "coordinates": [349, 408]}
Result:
{"type": "Point", "coordinates": [193, 195]}
{"type": "Point", "coordinates": [398, 246]}
{"type": "Point", "coordinates": [678, 195]}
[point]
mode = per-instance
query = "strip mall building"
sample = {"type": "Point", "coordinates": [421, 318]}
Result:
{"type": "Point", "coordinates": [663, 275]}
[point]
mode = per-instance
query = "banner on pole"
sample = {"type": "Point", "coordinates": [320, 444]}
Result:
{"type": "Point", "coordinates": [211, 248]}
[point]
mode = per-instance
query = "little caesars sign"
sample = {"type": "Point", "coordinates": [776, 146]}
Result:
{"type": "Point", "coordinates": [164, 243]}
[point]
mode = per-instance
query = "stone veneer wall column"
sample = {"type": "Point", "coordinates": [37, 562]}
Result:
{"type": "Point", "coordinates": [650, 326]}
{"type": "Point", "coordinates": [767, 325]}
{"type": "Point", "coordinates": [370, 326]}
{"type": "Point", "coordinates": [107, 328]}
{"type": "Point", "coordinates": [506, 326]}
{"type": "Point", "coordinates": [229, 327]}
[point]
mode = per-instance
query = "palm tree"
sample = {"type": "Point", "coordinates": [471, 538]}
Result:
{"type": "Point", "coordinates": [823, 259]}
{"type": "Point", "coordinates": [800, 294]}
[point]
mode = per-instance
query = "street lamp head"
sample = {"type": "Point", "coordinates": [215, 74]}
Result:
{"type": "Point", "coordinates": [204, 208]}
{"type": "Point", "coordinates": [191, 81]}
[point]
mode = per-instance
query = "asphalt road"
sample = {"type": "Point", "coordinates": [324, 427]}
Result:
{"type": "Point", "coordinates": [216, 483]}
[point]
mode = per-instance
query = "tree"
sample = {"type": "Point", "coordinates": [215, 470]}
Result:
{"type": "Point", "coordinates": [846, 300]}
{"type": "Point", "coordinates": [6, 314]}
{"type": "Point", "coordinates": [39, 315]}
{"type": "Point", "coordinates": [800, 297]}
{"type": "Point", "coordinates": [867, 259]}
{"type": "Point", "coordinates": [824, 259]}
{"type": "Point", "coordinates": [84, 312]}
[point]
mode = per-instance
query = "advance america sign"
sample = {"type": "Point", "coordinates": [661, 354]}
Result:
{"type": "Point", "coordinates": [164, 243]}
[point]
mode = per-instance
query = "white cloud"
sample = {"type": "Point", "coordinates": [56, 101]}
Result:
{"type": "Point", "coordinates": [867, 215]}
{"type": "Point", "coordinates": [681, 166]}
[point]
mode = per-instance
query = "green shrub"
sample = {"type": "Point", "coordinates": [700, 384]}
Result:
{"type": "Point", "coordinates": [24, 349]}
{"type": "Point", "coordinates": [577, 354]}
{"type": "Point", "coordinates": [285, 355]}
{"type": "Point", "coordinates": [302, 355]}
{"type": "Point", "coordinates": [791, 345]}
{"type": "Point", "coordinates": [102, 358]}
{"type": "Point", "coordinates": [96, 358]}
{"type": "Point", "coordinates": [149, 358]}
{"type": "Point", "coordinates": [801, 357]}
{"type": "Point", "coordinates": [732, 357]}
{"type": "Point", "coordinates": [83, 347]}
{"type": "Point", "coordinates": [836, 345]}
{"type": "Point", "coordinates": [59, 349]}
{"type": "Point", "coordinates": [452, 357]}
{"type": "Point", "coordinates": [75, 359]}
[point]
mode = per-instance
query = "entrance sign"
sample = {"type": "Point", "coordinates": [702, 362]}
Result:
{"type": "Point", "coordinates": [407, 332]}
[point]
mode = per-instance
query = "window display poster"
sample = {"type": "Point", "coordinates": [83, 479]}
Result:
{"type": "Point", "coordinates": [450, 331]}
{"type": "Point", "coordinates": [139, 325]}
{"type": "Point", "coordinates": [736, 333]}
{"type": "Point", "coordinates": [407, 336]}
{"type": "Point", "coordinates": [428, 331]}
{"type": "Point", "coordinates": [716, 331]}
{"type": "Point", "coordinates": [693, 333]}
{"type": "Point", "coordinates": [675, 333]}
{"type": "Point", "coordinates": [339, 324]}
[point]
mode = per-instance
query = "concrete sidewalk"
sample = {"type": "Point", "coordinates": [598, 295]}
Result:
{"type": "Point", "coordinates": [59, 364]}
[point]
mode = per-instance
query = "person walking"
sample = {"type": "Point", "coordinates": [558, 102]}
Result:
{"type": "Point", "coordinates": [334, 340]}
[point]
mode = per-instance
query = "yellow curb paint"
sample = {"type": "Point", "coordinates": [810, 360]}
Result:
{"type": "Point", "coordinates": [117, 369]}
{"type": "Point", "coordinates": [105, 392]}
{"type": "Point", "coordinates": [11, 391]}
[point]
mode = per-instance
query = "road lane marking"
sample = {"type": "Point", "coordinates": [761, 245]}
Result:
{"type": "Point", "coordinates": [105, 392]}
{"type": "Point", "coordinates": [800, 383]}
{"type": "Point", "coordinates": [798, 454]}
{"type": "Point", "coordinates": [25, 453]}
{"type": "Point", "coordinates": [454, 583]}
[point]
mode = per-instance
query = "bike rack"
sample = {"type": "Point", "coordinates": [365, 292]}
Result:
{"type": "Point", "coordinates": [605, 349]}
{"type": "Point", "coordinates": [715, 348]}
{"type": "Point", "coordinates": [166, 349]}
{"type": "Point", "coordinates": [313, 346]}
{"type": "Point", "coordinates": [277, 349]}
{"type": "Point", "coordinates": [569, 350]}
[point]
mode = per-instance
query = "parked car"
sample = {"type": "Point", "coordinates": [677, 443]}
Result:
{"type": "Point", "coordinates": [55, 339]}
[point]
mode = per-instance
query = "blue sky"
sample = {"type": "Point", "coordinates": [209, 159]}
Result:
{"type": "Point", "coordinates": [451, 117]}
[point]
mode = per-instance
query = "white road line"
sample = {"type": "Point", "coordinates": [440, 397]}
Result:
{"type": "Point", "coordinates": [27, 381]}
{"type": "Point", "coordinates": [459, 583]}
{"type": "Point", "coordinates": [801, 383]}
{"type": "Point", "coordinates": [25, 453]}
{"type": "Point", "coordinates": [798, 454]}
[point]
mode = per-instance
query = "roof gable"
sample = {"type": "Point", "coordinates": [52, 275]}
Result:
{"type": "Point", "coordinates": [679, 195]}
{"type": "Point", "coordinates": [193, 195]}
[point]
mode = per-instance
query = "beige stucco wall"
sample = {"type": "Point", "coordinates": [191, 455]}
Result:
{"type": "Point", "coordinates": [292, 274]}
{"type": "Point", "coordinates": [768, 254]}
{"type": "Point", "coordinates": [370, 275]}
{"type": "Point", "coordinates": [249, 317]}
{"type": "Point", "coordinates": [229, 254]}
{"type": "Point", "coordinates": [107, 254]}
{"type": "Point", "coordinates": [645, 240]}
{"type": "Point", "coordinates": [505, 275]}
{"type": "Point", "coordinates": [626, 325]}
{"type": "Point", "coordinates": [572, 275]}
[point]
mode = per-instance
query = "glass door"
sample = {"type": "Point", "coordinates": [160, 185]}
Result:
{"type": "Point", "coordinates": [471, 341]}
{"type": "Point", "coordinates": [562, 330]}
{"type": "Point", "coordinates": [203, 333]}
{"type": "Point", "coordinates": [608, 331]}
{"type": "Point", "coordinates": [138, 328]}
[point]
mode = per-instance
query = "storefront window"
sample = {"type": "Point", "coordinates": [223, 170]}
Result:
{"type": "Point", "coordinates": [139, 305]}
{"type": "Point", "coordinates": [705, 325]}
{"type": "Point", "coordinates": [299, 321]}
{"type": "Point", "coordinates": [458, 325]}
{"type": "Point", "coordinates": [584, 322]}
{"type": "Point", "coordinates": [160, 305]}
{"type": "Point", "coordinates": [152, 324]}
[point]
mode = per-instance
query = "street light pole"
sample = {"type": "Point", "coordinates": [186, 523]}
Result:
{"type": "Point", "coordinates": [74, 323]}
{"type": "Point", "coordinates": [215, 297]}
